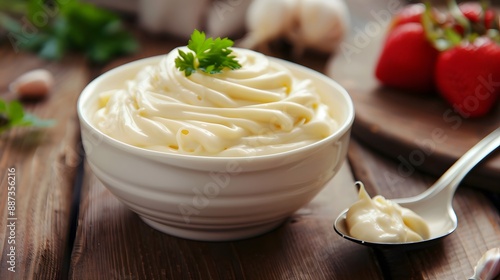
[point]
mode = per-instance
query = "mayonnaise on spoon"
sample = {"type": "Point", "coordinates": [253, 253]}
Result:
{"type": "Point", "coordinates": [434, 205]}
{"type": "Point", "coordinates": [382, 220]}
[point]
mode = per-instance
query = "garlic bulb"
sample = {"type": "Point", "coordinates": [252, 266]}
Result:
{"type": "Point", "coordinates": [218, 18]}
{"type": "Point", "coordinates": [308, 24]}
{"type": "Point", "coordinates": [175, 17]}
{"type": "Point", "coordinates": [488, 267]}
{"type": "Point", "coordinates": [34, 84]}
{"type": "Point", "coordinates": [267, 20]}
{"type": "Point", "coordinates": [322, 25]}
{"type": "Point", "coordinates": [226, 18]}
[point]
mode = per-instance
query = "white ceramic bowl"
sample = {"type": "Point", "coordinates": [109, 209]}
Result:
{"type": "Point", "coordinates": [213, 198]}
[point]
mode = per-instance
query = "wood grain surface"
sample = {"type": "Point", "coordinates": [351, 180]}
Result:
{"type": "Point", "coordinates": [45, 162]}
{"type": "Point", "coordinates": [112, 242]}
{"type": "Point", "coordinates": [419, 131]}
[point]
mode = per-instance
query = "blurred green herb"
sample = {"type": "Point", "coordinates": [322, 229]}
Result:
{"type": "Point", "coordinates": [12, 115]}
{"type": "Point", "coordinates": [51, 30]}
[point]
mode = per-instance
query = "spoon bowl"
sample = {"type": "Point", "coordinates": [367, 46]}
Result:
{"type": "Point", "coordinates": [435, 204]}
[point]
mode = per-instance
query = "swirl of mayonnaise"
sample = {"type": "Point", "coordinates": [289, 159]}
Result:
{"type": "Point", "coordinates": [258, 109]}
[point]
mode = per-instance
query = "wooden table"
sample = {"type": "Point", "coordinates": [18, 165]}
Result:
{"type": "Point", "coordinates": [68, 226]}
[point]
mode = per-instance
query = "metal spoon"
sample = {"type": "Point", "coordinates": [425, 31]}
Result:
{"type": "Point", "coordinates": [435, 204]}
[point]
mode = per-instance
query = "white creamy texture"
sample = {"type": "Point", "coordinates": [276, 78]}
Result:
{"type": "Point", "coordinates": [384, 221]}
{"type": "Point", "coordinates": [259, 109]}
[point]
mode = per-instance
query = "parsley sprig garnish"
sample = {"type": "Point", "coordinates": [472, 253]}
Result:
{"type": "Point", "coordinates": [208, 55]}
{"type": "Point", "coordinates": [12, 115]}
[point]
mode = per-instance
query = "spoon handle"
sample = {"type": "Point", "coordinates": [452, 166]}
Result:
{"type": "Point", "coordinates": [454, 175]}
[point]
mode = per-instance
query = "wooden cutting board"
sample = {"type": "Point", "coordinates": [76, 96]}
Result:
{"type": "Point", "coordinates": [421, 132]}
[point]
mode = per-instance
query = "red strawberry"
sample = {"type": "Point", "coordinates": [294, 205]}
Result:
{"type": "Point", "coordinates": [468, 76]}
{"type": "Point", "coordinates": [479, 20]}
{"type": "Point", "coordinates": [472, 11]}
{"type": "Point", "coordinates": [413, 13]}
{"type": "Point", "coordinates": [407, 60]}
{"type": "Point", "coordinates": [409, 13]}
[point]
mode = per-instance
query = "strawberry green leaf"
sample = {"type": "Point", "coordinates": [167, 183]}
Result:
{"type": "Point", "coordinates": [459, 17]}
{"type": "Point", "coordinates": [433, 30]}
{"type": "Point", "coordinates": [494, 34]}
{"type": "Point", "coordinates": [452, 36]}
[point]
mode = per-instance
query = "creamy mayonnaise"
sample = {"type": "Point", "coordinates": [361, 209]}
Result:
{"type": "Point", "coordinates": [258, 109]}
{"type": "Point", "coordinates": [384, 221]}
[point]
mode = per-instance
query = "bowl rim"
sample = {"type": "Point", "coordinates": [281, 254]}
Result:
{"type": "Point", "coordinates": [88, 90]}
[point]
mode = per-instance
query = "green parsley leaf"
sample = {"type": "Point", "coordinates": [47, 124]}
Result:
{"type": "Point", "coordinates": [12, 115]}
{"type": "Point", "coordinates": [208, 55]}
